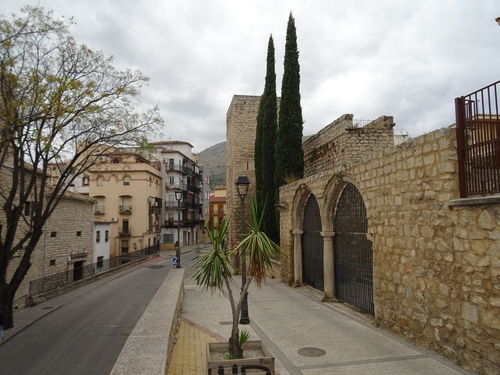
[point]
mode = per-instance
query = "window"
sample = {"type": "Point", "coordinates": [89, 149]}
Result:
{"type": "Point", "coordinates": [126, 180]}
{"type": "Point", "coordinates": [106, 236]}
{"type": "Point", "coordinates": [79, 233]}
{"type": "Point", "coordinates": [85, 181]}
{"type": "Point", "coordinates": [53, 234]}
{"type": "Point", "coordinates": [124, 246]}
{"type": "Point", "coordinates": [100, 262]}
{"type": "Point", "coordinates": [171, 180]}
{"type": "Point", "coordinates": [52, 262]}
{"type": "Point", "coordinates": [98, 236]}
{"type": "Point", "coordinates": [27, 209]}
{"type": "Point", "coordinates": [168, 238]}
{"type": "Point", "coordinates": [100, 181]}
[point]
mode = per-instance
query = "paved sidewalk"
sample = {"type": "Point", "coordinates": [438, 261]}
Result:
{"type": "Point", "coordinates": [287, 319]}
{"type": "Point", "coordinates": [189, 354]}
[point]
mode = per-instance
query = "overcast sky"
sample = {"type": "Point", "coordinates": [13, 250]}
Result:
{"type": "Point", "coordinates": [408, 59]}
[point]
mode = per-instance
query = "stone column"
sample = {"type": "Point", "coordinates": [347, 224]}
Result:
{"type": "Point", "coordinates": [328, 277]}
{"type": "Point", "coordinates": [297, 257]}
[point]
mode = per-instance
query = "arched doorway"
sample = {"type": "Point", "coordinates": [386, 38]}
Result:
{"type": "Point", "coordinates": [353, 251]}
{"type": "Point", "coordinates": [312, 245]}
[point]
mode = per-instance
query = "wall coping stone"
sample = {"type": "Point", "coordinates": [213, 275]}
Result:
{"type": "Point", "coordinates": [148, 347]}
{"type": "Point", "coordinates": [475, 201]}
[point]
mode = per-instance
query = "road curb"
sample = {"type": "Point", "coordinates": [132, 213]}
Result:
{"type": "Point", "coordinates": [148, 347]}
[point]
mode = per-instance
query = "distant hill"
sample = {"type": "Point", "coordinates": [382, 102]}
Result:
{"type": "Point", "coordinates": [213, 160]}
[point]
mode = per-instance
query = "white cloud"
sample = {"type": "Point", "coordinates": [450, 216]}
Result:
{"type": "Point", "coordinates": [409, 60]}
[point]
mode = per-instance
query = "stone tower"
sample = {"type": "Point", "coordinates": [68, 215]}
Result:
{"type": "Point", "coordinates": [241, 124]}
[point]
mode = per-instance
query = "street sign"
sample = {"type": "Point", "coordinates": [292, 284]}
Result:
{"type": "Point", "coordinates": [174, 261]}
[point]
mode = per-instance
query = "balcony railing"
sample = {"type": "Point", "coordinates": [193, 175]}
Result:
{"type": "Point", "coordinates": [175, 186]}
{"type": "Point", "coordinates": [99, 210]}
{"type": "Point", "coordinates": [125, 210]}
{"type": "Point", "coordinates": [182, 223]}
{"type": "Point", "coordinates": [125, 232]}
{"type": "Point", "coordinates": [171, 167]}
{"type": "Point", "coordinates": [174, 204]}
{"type": "Point", "coordinates": [478, 141]}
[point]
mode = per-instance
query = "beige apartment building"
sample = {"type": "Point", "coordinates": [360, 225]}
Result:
{"type": "Point", "coordinates": [217, 206]}
{"type": "Point", "coordinates": [127, 190]}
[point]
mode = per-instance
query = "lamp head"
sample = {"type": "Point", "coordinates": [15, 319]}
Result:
{"type": "Point", "coordinates": [242, 186]}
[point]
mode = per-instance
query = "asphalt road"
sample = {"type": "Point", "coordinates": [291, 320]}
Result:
{"type": "Point", "coordinates": [85, 335]}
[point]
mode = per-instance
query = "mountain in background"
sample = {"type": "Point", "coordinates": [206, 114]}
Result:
{"type": "Point", "coordinates": [213, 160]}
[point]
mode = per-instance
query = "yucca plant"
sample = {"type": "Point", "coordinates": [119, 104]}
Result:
{"type": "Point", "coordinates": [214, 267]}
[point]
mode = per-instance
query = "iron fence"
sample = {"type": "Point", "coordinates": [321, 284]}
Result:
{"type": "Point", "coordinates": [56, 280]}
{"type": "Point", "coordinates": [478, 141]}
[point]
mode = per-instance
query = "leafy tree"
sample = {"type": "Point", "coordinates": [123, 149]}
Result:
{"type": "Point", "coordinates": [289, 153]}
{"type": "Point", "coordinates": [265, 146]}
{"type": "Point", "coordinates": [61, 104]}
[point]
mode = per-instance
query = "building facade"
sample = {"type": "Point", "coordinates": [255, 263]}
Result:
{"type": "Point", "coordinates": [63, 251]}
{"type": "Point", "coordinates": [101, 240]}
{"type": "Point", "coordinates": [181, 220]}
{"type": "Point", "coordinates": [127, 190]}
{"type": "Point", "coordinates": [217, 209]}
{"type": "Point", "coordinates": [381, 228]}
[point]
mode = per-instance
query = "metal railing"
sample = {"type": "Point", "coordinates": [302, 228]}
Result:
{"type": "Point", "coordinates": [478, 141]}
{"type": "Point", "coordinates": [125, 232]}
{"type": "Point", "coordinates": [56, 280]}
{"type": "Point", "coordinates": [125, 209]}
{"type": "Point", "coordinates": [99, 210]}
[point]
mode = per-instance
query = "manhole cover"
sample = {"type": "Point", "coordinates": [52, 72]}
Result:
{"type": "Point", "coordinates": [47, 308]}
{"type": "Point", "coordinates": [156, 267]}
{"type": "Point", "coordinates": [311, 352]}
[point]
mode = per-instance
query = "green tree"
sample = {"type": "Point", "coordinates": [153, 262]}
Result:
{"type": "Point", "coordinates": [289, 153]}
{"type": "Point", "coordinates": [215, 269]}
{"type": "Point", "coordinates": [265, 148]}
{"type": "Point", "coordinates": [60, 102]}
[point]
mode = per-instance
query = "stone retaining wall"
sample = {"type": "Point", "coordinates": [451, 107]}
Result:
{"type": "Point", "coordinates": [436, 265]}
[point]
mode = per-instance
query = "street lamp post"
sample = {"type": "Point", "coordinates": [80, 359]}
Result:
{"type": "Point", "coordinates": [178, 197]}
{"type": "Point", "coordinates": [242, 187]}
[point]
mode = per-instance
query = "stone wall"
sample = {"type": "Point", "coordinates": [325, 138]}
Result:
{"type": "Point", "coordinates": [66, 239]}
{"type": "Point", "coordinates": [341, 143]}
{"type": "Point", "coordinates": [241, 124]}
{"type": "Point", "coordinates": [436, 261]}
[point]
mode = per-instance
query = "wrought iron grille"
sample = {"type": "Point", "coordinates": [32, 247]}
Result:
{"type": "Point", "coordinates": [478, 141]}
{"type": "Point", "coordinates": [353, 252]}
{"type": "Point", "coordinates": [312, 246]}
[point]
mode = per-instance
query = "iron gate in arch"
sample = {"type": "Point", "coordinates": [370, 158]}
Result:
{"type": "Point", "coordinates": [353, 251]}
{"type": "Point", "coordinates": [312, 245]}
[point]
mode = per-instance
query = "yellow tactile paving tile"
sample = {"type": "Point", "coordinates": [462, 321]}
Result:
{"type": "Point", "coordinates": [189, 355]}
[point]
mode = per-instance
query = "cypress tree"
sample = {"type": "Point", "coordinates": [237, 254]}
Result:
{"type": "Point", "coordinates": [265, 146]}
{"type": "Point", "coordinates": [289, 153]}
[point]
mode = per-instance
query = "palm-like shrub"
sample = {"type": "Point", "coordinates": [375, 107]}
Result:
{"type": "Point", "coordinates": [214, 268]}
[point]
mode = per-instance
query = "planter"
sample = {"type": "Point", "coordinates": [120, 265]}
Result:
{"type": "Point", "coordinates": [261, 361]}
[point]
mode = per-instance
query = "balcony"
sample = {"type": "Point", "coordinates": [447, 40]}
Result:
{"type": "Point", "coordinates": [175, 168]}
{"type": "Point", "coordinates": [183, 223]}
{"type": "Point", "coordinates": [175, 186]}
{"type": "Point", "coordinates": [175, 205]}
{"type": "Point", "coordinates": [99, 210]}
{"type": "Point", "coordinates": [125, 232]}
{"type": "Point", "coordinates": [125, 210]}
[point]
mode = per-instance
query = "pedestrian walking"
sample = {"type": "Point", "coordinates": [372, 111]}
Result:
{"type": "Point", "coordinates": [1, 325]}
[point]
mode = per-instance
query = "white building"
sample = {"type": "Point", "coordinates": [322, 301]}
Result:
{"type": "Point", "coordinates": [101, 242]}
{"type": "Point", "coordinates": [181, 174]}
